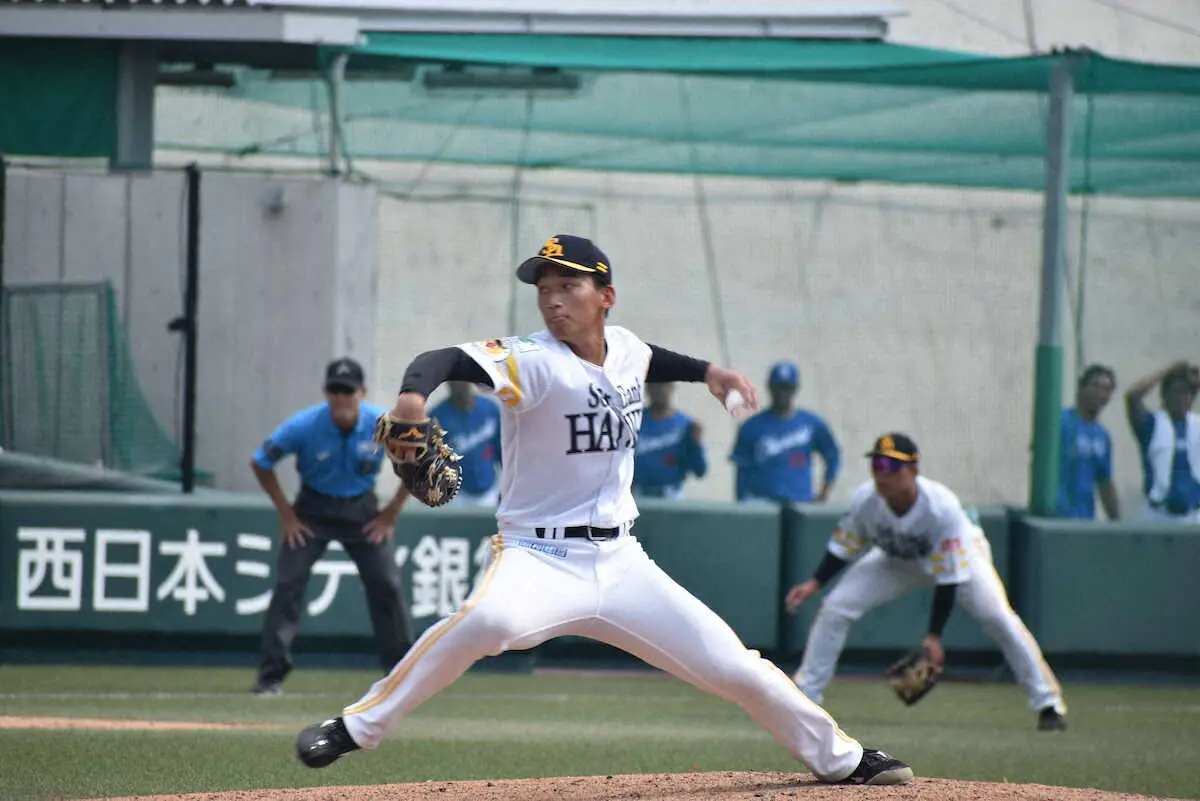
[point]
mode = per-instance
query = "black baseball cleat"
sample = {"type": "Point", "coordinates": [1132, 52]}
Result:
{"type": "Point", "coordinates": [1050, 720]}
{"type": "Point", "coordinates": [322, 744]}
{"type": "Point", "coordinates": [876, 767]}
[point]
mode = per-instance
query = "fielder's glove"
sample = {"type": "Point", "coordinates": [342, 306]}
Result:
{"type": "Point", "coordinates": [913, 675]}
{"type": "Point", "coordinates": [428, 467]}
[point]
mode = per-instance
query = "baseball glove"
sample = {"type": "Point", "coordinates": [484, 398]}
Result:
{"type": "Point", "coordinates": [913, 675]}
{"type": "Point", "coordinates": [419, 455]}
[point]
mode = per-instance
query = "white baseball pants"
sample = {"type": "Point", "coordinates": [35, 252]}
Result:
{"type": "Point", "coordinates": [534, 590]}
{"type": "Point", "coordinates": [877, 578]}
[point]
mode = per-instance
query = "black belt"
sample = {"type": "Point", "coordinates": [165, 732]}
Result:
{"type": "Point", "coordinates": [586, 532]}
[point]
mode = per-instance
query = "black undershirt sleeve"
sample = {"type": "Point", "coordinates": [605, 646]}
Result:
{"type": "Point", "coordinates": [943, 602]}
{"type": "Point", "coordinates": [435, 367]}
{"type": "Point", "coordinates": [667, 366]}
{"type": "Point", "coordinates": [830, 566]}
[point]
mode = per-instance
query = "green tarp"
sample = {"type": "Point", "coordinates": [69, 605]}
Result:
{"type": "Point", "coordinates": [879, 63]}
{"type": "Point", "coordinates": [850, 111]}
{"type": "Point", "coordinates": [57, 98]}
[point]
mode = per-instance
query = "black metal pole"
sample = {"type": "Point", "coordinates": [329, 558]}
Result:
{"type": "Point", "coordinates": [190, 303]}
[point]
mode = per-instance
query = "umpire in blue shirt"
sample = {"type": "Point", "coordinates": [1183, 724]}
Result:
{"type": "Point", "coordinates": [337, 460]}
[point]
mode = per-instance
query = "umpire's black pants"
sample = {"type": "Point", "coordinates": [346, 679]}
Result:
{"type": "Point", "coordinates": [388, 608]}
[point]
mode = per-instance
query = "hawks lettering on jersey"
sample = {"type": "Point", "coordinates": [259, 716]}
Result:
{"type": "Point", "coordinates": [579, 424]}
{"type": "Point", "coordinates": [935, 532]}
{"type": "Point", "coordinates": [594, 431]}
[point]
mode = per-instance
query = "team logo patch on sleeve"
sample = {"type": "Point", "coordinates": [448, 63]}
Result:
{"type": "Point", "coordinates": [500, 349]}
{"type": "Point", "coordinates": [497, 349]}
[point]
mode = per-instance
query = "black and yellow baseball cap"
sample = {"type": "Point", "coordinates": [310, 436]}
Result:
{"type": "Point", "coordinates": [573, 252]}
{"type": "Point", "coordinates": [895, 446]}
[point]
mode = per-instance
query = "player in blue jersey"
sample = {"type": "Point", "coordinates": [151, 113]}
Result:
{"type": "Point", "coordinates": [1085, 458]}
{"type": "Point", "coordinates": [472, 424]}
{"type": "Point", "coordinates": [670, 447]}
{"type": "Point", "coordinates": [774, 448]}
{"type": "Point", "coordinates": [337, 459]}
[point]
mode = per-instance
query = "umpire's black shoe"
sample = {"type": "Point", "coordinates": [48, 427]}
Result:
{"type": "Point", "coordinates": [1050, 720]}
{"type": "Point", "coordinates": [324, 743]}
{"type": "Point", "coordinates": [876, 767]}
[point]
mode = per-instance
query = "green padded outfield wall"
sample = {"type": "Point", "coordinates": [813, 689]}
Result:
{"type": "Point", "coordinates": [1112, 589]}
{"type": "Point", "coordinates": [203, 564]}
{"type": "Point", "coordinates": [154, 563]}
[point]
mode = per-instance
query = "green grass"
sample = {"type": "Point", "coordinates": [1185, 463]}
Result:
{"type": "Point", "coordinates": [1126, 738]}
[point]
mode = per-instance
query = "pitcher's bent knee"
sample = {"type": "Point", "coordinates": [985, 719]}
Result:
{"type": "Point", "coordinates": [488, 627]}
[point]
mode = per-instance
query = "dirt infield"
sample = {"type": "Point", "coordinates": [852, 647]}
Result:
{"type": "Point", "coordinates": [663, 787]}
{"type": "Point", "coordinates": [726, 786]}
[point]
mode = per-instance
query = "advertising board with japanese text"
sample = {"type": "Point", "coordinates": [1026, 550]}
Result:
{"type": "Point", "coordinates": [166, 564]}
{"type": "Point", "coordinates": [204, 564]}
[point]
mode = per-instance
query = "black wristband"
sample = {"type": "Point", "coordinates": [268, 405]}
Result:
{"type": "Point", "coordinates": [943, 602]}
{"type": "Point", "coordinates": [830, 566]}
{"type": "Point", "coordinates": [667, 365]}
{"type": "Point", "coordinates": [433, 368]}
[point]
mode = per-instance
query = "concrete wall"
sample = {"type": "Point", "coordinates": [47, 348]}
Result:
{"type": "Point", "coordinates": [906, 307]}
{"type": "Point", "coordinates": [1146, 30]}
{"type": "Point", "coordinates": [909, 309]}
{"type": "Point", "coordinates": [287, 282]}
{"type": "Point", "coordinates": [288, 267]}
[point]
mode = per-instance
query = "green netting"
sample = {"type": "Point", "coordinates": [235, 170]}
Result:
{"type": "Point", "coordinates": [776, 108]}
{"type": "Point", "coordinates": [70, 390]}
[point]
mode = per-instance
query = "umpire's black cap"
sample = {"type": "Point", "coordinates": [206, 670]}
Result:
{"type": "Point", "coordinates": [570, 251]}
{"type": "Point", "coordinates": [896, 446]}
{"type": "Point", "coordinates": [344, 373]}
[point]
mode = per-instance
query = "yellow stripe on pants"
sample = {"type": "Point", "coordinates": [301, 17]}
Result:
{"type": "Point", "coordinates": [1032, 644]}
{"type": "Point", "coordinates": [410, 660]}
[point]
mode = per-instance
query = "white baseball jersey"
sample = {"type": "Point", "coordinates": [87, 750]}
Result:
{"type": "Point", "coordinates": [572, 464]}
{"type": "Point", "coordinates": [935, 532]}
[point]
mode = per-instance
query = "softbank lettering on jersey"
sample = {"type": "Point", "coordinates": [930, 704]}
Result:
{"type": "Point", "coordinates": [904, 545]}
{"type": "Point", "coordinates": [612, 423]}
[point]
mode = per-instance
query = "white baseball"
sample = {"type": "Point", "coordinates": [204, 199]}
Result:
{"type": "Point", "coordinates": [735, 404]}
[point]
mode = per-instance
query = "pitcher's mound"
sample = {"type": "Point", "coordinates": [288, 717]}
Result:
{"type": "Point", "coordinates": [726, 786]}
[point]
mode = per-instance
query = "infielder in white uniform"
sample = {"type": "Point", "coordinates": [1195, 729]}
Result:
{"type": "Point", "coordinates": [904, 531]}
{"type": "Point", "coordinates": [564, 561]}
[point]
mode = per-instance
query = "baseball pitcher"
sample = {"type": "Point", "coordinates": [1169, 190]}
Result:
{"type": "Point", "coordinates": [564, 561]}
